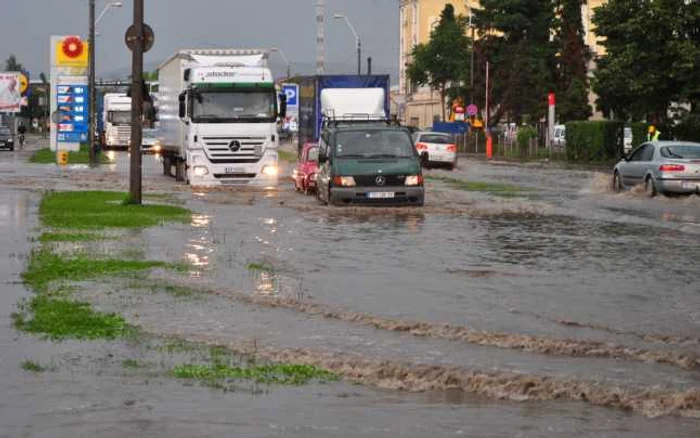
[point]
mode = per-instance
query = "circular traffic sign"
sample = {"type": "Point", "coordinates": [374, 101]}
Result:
{"type": "Point", "coordinates": [131, 38]}
{"type": "Point", "coordinates": [459, 110]}
{"type": "Point", "coordinates": [472, 109]}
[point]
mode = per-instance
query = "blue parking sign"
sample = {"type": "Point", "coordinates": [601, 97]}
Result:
{"type": "Point", "coordinates": [292, 93]}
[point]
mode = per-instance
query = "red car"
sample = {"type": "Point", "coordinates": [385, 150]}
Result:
{"type": "Point", "coordinates": [305, 173]}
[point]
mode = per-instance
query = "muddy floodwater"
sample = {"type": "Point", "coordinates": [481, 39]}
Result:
{"type": "Point", "coordinates": [561, 309]}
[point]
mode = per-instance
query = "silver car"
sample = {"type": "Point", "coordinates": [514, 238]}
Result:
{"type": "Point", "coordinates": [662, 167]}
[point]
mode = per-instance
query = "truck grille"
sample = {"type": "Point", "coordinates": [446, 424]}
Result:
{"type": "Point", "coordinates": [371, 180]}
{"type": "Point", "coordinates": [234, 149]}
{"type": "Point", "coordinates": [124, 133]}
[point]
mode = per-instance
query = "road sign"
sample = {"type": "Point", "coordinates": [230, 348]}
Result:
{"type": "Point", "coordinates": [131, 38]}
{"type": "Point", "coordinates": [292, 93]}
{"type": "Point", "coordinates": [472, 109]}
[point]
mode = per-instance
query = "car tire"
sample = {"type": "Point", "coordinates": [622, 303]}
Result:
{"type": "Point", "coordinates": [617, 183]}
{"type": "Point", "coordinates": [650, 187]}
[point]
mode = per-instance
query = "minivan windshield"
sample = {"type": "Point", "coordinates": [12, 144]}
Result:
{"type": "Point", "coordinates": [373, 143]}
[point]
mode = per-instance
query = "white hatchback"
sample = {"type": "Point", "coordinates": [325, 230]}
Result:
{"type": "Point", "coordinates": [436, 148]}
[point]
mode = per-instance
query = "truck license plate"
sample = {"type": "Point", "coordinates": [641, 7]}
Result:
{"type": "Point", "coordinates": [380, 195]}
{"type": "Point", "coordinates": [234, 170]}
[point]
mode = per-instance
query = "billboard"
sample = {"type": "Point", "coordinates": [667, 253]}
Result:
{"type": "Point", "coordinates": [10, 94]}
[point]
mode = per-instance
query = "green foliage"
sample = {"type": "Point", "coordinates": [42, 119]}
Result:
{"type": "Point", "coordinates": [572, 74]}
{"type": "Point", "coordinates": [11, 64]}
{"type": "Point", "coordinates": [263, 266]}
{"type": "Point", "coordinates": [594, 141]}
{"type": "Point", "coordinates": [525, 135]}
{"type": "Point", "coordinates": [515, 38]}
{"type": "Point", "coordinates": [130, 363]}
{"type": "Point", "coordinates": [47, 156]}
{"type": "Point", "coordinates": [31, 366]}
{"type": "Point", "coordinates": [445, 58]}
{"type": "Point", "coordinates": [288, 156]}
{"type": "Point", "coordinates": [573, 104]}
{"type": "Point", "coordinates": [688, 128]}
{"type": "Point", "coordinates": [651, 56]}
{"type": "Point", "coordinates": [639, 133]}
{"type": "Point", "coordinates": [57, 236]}
{"type": "Point", "coordinates": [59, 319]}
{"type": "Point", "coordinates": [94, 210]}
{"type": "Point", "coordinates": [282, 374]}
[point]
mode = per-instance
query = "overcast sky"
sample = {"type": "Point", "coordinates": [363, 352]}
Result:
{"type": "Point", "coordinates": [25, 27]}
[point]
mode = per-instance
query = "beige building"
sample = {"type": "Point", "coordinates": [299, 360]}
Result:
{"type": "Point", "coordinates": [421, 106]}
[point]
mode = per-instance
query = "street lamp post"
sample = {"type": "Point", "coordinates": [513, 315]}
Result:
{"type": "Point", "coordinates": [358, 43]}
{"type": "Point", "coordinates": [471, 54]}
{"type": "Point", "coordinates": [92, 125]}
{"type": "Point", "coordinates": [289, 65]}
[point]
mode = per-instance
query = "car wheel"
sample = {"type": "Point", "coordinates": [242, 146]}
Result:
{"type": "Point", "coordinates": [650, 187]}
{"type": "Point", "coordinates": [617, 182]}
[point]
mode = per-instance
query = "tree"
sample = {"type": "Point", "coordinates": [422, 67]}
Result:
{"type": "Point", "coordinates": [515, 38]}
{"type": "Point", "coordinates": [651, 57]}
{"type": "Point", "coordinates": [572, 68]}
{"type": "Point", "coordinates": [11, 64]}
{"type": "Point", "coordinates": [442, 61]}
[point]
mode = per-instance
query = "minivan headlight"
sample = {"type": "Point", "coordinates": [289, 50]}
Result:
{"type": "Point", "coordinates": [344, 181]}
{"type": "Point", "coordinates": [414, 180]}
{"type": "Point", "coordinates": [200, 170]}
{"type": "Point", "coordinates": [269, 169]}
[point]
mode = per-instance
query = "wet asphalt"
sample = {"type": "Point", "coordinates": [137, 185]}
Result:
{"type": "Point", "coordinates": [565, 260]}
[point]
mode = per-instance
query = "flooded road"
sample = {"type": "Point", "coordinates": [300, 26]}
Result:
{"type": "Point", "coordinates": [563, 287]}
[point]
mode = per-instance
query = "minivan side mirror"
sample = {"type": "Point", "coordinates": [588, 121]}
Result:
{"type": "Point", "coordinates": [181, 107]}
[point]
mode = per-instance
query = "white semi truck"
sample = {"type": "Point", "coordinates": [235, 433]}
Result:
{"type": "Point", "coordinates": [218, 112]}
{"type": "Point", "coordinates": [116, 121]}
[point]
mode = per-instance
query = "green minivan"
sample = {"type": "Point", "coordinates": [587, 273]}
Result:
{"type": "Point", "coordinates": [368, 163]}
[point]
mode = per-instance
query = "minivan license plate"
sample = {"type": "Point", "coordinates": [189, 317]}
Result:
{"type": "Point", "coordinates": [234, 170]}
{"type": "Point", "coordinates": [380, 195]}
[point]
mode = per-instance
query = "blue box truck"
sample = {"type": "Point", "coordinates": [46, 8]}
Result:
{"type": "Point", "coordinates": [310, 88]}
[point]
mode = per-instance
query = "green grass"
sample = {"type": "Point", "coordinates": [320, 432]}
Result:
{"type": "Point", "coordinates": [47, 156]}
{"type": "Point", "coordinates": [60, 319]}
{"type": "Point", "coordinates": [287, 156]}
{"type": "Point", "coordinates": [31, 366]}
{"type": "Point", "coordinates": [260, 267]}
{"type": "Point", "coordinates": [46, 266]}
{"type": "Point", "coordinates": [130, 363]}
{"type": "Point", "coordinates": [282, 374]}
{"type": "Point", "coordinates": [97, 210]}
{"type": "Point", "coordinates": [478, 186]}
{"type": "Point", "coordinates": [60, 236]}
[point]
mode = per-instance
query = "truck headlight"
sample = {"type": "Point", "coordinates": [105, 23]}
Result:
{"type": "Point", "coordinates": [414, 180]}
{"type": "Point", "coordinates": [156, 147]}
{"type": "Point", "coordinates": [200, 170]}
{"type": "Point", "coordinates": [111, 139]}
{"type": "Point", "coordinates": [269, 169]}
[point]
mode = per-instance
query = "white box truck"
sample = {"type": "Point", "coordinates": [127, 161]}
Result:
{"type": "Point", "coordinates": [116, 121]}
{"type": "Point", "coordinates": [218, 112]}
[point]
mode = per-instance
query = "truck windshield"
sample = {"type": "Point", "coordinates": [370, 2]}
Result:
{"type": "Point", "coordinates": [119, 117]}
{"type": "Point", "coordinates": [373, 143]}
{"type": "Point", "coordinates": [229, 106]}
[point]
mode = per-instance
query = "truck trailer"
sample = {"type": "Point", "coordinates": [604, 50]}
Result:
{"type": "Point", "coordinates": [357, 88]}
{"type": "Point", "coordinates": [218, 112]}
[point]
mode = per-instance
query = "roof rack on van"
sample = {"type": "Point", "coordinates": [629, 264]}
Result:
{"type": "Point", "coordinates": [331, 119]}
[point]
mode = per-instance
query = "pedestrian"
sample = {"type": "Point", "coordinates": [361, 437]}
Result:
{"type": "Point", "coordinates": [653, 134]}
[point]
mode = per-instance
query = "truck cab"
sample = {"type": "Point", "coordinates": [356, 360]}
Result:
{"type": "Point", "coordinates": [116, 121]}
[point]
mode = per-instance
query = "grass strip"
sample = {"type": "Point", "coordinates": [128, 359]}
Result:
{"type": "Point", "coordinates": [97, 209]}
{"type": "Point", "coordinates": [260, 267]}
{"type": "Point", "coordinates": [479, 186]}
{"type": "Point", "coordinates": [46, 266]}
{"type": "Point", "coordinates": [288, 156]}
{"type": "Point", "coordinates": [60, 236]}
{"type": "Point", "coordinates": [60, 319]}
{"type": "Point", "coordinates": [31, 366]}
{"type": "Point", "coordinates": [47, 156]}
{"type": "Point", "coordinates": [281, 374]}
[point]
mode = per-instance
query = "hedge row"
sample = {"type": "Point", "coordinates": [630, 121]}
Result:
{"type": "Point", "coordinates": [594, 141]}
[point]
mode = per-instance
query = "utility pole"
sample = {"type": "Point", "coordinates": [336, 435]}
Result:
{"type": "Point", "coordinates": [359, 57]}
{"type": "Point", "coordinates": [320, 17]}
{"type": "Point", "coordinates": [91, 88]}
{"type": "Point", "coordinates": [136, 104]}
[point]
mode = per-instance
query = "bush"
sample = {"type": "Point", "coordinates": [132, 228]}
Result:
{"type": "Point", "coordinates": [594, 141]}
{"type": "Point", "coordinates": [524, 137]}
{"type": "Point", "coordinates": [689, 128]}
